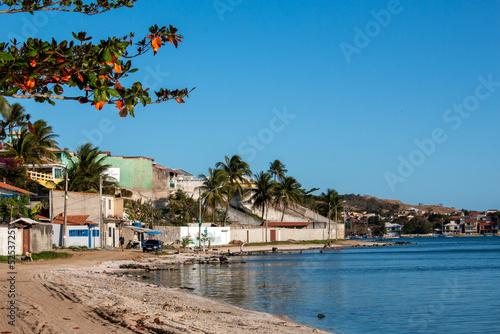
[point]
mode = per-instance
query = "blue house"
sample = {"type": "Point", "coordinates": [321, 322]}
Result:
{"type": "Point", "coordinates": [80, 231]}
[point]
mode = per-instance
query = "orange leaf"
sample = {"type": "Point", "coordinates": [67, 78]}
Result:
{"type": "Point", "coordinates": [56, 78]}
{"type": "Point", "coordinates": [30, 83]}
{"type": "Point", "coordinates": [80, 77]}
{"type": "Point", "coordinates": [118, 68]}
{"type": "Point", "coordinates": [117, 85]}
{"type": "Point", "coordinates": [31, 127]}
{"type": "Point", "coordinates": [156, 43]}
{"type": "Point", "coordinates": [99, 105]}
{"type": "Point", "coordinates": [179, 100]}
{"type": "Point", "coordinates": [119, 104]}
{"type": "Point", "coordinates": [33, 63]}
{"type": "Point", "coordinates": [66, 78]}
{"type": "Point", "coordinates": [60, 59]}
{"type": "Point", "coordinates": [170, 39]}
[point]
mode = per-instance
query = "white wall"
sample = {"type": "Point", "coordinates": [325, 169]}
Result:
{"type": "Point", "coordinates": [217, 235]}
{"type": "Point", "coordinates": [74, 241]}
{"type": "Point", "coordinates": [4, 240]}
{"type": "Point", "coordinates": [283, 234]}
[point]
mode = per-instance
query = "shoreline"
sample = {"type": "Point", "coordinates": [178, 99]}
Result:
{"type": "Point", "coordinates": [85, 293]}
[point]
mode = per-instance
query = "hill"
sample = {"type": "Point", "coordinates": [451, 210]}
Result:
{"type": "Point", "coordinates": [372, 204]}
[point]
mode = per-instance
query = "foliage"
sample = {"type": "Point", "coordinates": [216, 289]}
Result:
{"type": "Point", "coordinates": [141, 212]}
{"type": "Point", "coordinates": [235, 170]}
{"type": "Point", "coordinates": [186, 241]}
{"type": "Point", "coordinates": [13, 116]}
{"type": "Point", "coordinates": [417, 225]}
{"type": "Point", "coordinates": [182, 208]}
{"type": "Point", "coordinates": [287, 193]}
{"type": "Point", "coordinates": [262, 193]}
{"type": "Point", "coordinates": [371, 205]}
{"type": "Point", "coordinates": [33, 144]}
{"type": "Point", "coordinates": [85, 169]}
{"type": "Point", "coordinates": [277, 169]}
{"type": "Point", "coordinates": [42, 70]}
{"type": "Point", "coordinates": [214, 189]}
{"type": "Point", "coordinates": [495, 216]}
{"type": "Point", "coordinates": [332, 203]}
{"type": "Point", "coordinates": [12, 208]}
{"type": "Point", "coordinates": [380, 230]}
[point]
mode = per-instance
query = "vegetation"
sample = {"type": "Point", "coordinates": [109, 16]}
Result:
{"type": "Point", "coordinates": [48, 255]}
{"type": "Point", "coordinates": [85, 169]}
{"type": "Point", "coordinates": [16, 207]}
{"type": "Point", "coordinates": [43, 70]}
{"type": "Point", "coordinates": [371, 204]}
{"type": "Point", "coordinates": [138, 210]}
{"type": "Point", "coordinates": [417, 225]}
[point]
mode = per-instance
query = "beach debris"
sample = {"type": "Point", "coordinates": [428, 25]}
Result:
{"type": "Point", "coordinates": [321, 316]}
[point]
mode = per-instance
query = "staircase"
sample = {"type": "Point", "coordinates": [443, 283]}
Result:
{"type": "Point", "coordinates": [45, 179]}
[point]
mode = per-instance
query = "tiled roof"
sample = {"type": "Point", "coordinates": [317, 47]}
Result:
{"type": "Point", "coordinates": [19, 190]}
{"type": "Point", "coordinates": [73, 220]}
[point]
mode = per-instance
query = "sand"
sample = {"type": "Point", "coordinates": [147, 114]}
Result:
{"type": "Point", "coordinates": [84, 294]}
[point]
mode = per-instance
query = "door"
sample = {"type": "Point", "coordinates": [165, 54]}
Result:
{"type": "Point", "coordinates": [26, 240]}
{"type": "Point", "coordinates": [114, 237]}
{"type": "Point", "coordinates": [273, 235]}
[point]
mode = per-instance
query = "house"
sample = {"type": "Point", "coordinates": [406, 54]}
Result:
{"type": "Point", "coordinates": [81, 231]}
{"type": "Point", "coordinates": [87, 204]}
{"type": "Point", "coordinates": [393, 229]}
{"type": "Point", "coordinates": [488, 228]}
{"type": "Point", "coordinates": [48, 173]}
{"type": "Point", "coordinates": [6, 190]}
{"type": "Point", "coordinates": [27, 235]}
{"type": "Point", "coordinates": [469, 225]}
{"type": "Point", "coordinates": [452, 228]}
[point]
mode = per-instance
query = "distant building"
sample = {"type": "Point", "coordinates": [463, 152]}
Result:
{"type": "Point", "coordinates": [393, 230]}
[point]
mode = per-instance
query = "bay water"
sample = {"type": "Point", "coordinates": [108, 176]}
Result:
{"type": "Point", "coordinates": [436, 285]}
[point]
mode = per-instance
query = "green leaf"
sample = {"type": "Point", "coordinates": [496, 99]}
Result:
{"type": "Point", "coordinates": [113, 92]}
{"type": "Point", "coordinates": [4, 56]}
{"type": "Point", "coordinates": [107, 56]}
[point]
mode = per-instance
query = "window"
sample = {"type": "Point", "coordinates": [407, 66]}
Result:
{"type": "Point", "coordinates": [95, 233]}
{"type": "Point", "coordinates": [109, 204]}
{"type": "Point", "coordinates": [110, 230]}
{"type": "Point", "coordinates": [78, 233]}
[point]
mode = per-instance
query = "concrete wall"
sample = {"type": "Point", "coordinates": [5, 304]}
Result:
{"type": "Point", "coordinates": [75, 241]}
{"type": "Point", "coordinates": [283, 234]}
{"type": "Point", "coordinates": [189, 186]}
{"type": "Point", "coordinates": [87, 204]}
{"type": "Point", "coordinates": [161, 186]}
{"type": "Point", "coordinates": [41, 238]}
{"type": "Point", "coordinates": [241, 218]}
{"type": "Point", "coordinates": [169, 233]}
{"type": "Point", "coordinates": [4, 240]}
{"type": "Point", "coordinates": [135, 172]}
{"type": "Point", "coordinates": [217, 235]}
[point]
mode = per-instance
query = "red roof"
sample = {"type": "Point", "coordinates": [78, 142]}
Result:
{"type": "Point", "coordinates": [286, 224]}
{"type": "Point", "coordinates": [19, 190]}
{"type": "Point", "coordinates": [73, 220]}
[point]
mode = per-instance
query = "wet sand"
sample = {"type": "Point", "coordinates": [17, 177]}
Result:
{"type": "Point", "coordinates": [79, 294]}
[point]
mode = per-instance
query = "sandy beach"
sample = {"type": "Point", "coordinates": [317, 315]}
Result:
{"type": "Point", "coordinates": [87, 293]}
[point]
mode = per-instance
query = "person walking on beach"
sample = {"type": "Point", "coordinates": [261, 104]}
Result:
{"type": "Point", "coordinates": [122, 241]}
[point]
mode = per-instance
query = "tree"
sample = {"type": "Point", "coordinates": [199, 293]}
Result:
{"type": "Point", "coordinates": [213, 189]}
{"type": "Point", "coordinates": [277, 169]}
{"type": "Point", "coordinates": [182, 208]}
{"type": "Point", "coordinates": [42, 70]}
{"type": "Point", "coordinates": [417, 225]}
{"type": "Point", "coordinates": [13, 116]}
{"type": "Point", "coordinates": [235, 169]}
{"type": "Point", "coordinates": [263, 192]}
{"type": "Point", "coordinates": [332, 200]}
{"type": "Point", "coordinates": [34, 144]}
{"type": "Point", "coordinates": [287, 193]}
{"type": "Point", "coordinates": [85, 169]}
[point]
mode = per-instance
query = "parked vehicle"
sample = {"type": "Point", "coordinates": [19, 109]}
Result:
{"type": "Point", "coordinates": [152, 246]}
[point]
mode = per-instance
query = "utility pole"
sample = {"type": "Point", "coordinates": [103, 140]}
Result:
{"type": "Point", "coordinates": [65, 209]}
{"type": "Point", "coordinates": [101, 227]}
{"type": "Point", "coordinates": [329, 228]}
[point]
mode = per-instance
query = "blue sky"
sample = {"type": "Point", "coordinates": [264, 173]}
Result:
{"type": "Point", "coordinates": [395, 99]}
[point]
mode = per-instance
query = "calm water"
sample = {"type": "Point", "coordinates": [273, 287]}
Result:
{"type": "Point", "coordinates": [440, 285]}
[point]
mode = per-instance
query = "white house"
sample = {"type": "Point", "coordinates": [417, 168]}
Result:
{"type": "Point", "coordinates": [393, 230]}
{"type": "Point", "coordinates": [80, 231]}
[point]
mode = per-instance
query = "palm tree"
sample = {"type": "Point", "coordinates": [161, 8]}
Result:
{"type": "Point", "coordinates": [13, 116]}
{"type": "Point", "coordinates": [263, 191]}
{"type": "Point", "coordinates": [86, 168]}
{"type": "Point", "coordinates": [30, 147]}
{"type": "Point", "coordinates": [213, 190]}
{"type": "Point", "coordinates": [235, 169]}
{"type": "Point", "coordinates": [287, 193]}
{"type": "Point", "coordinates": [331, 200]}
{"type": "Point", "coordinates": [277, 169]}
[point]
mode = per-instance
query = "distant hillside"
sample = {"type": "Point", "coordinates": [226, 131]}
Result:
{"type": "Point", "coordinates": [372, 204]}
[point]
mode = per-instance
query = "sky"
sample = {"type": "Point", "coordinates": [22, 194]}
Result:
{"type": "Point", "coordinates": [393, 99]}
